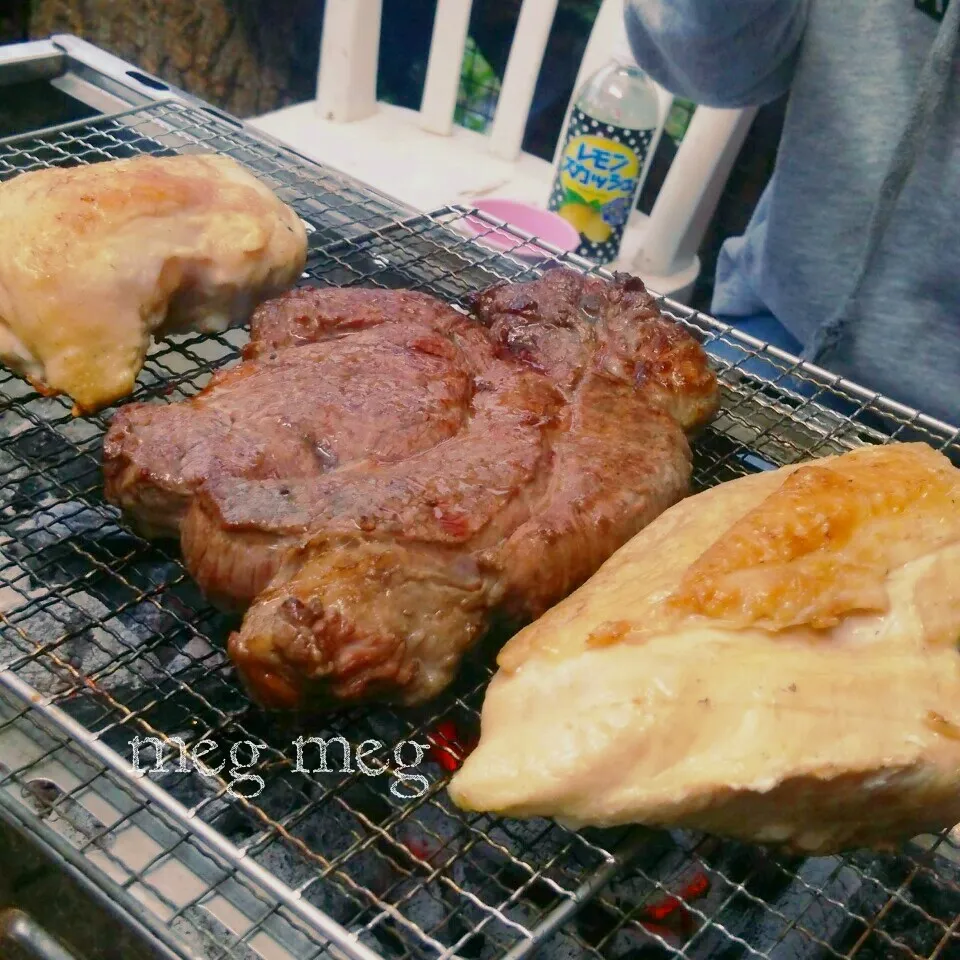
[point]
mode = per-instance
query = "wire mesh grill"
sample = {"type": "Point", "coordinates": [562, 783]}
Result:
{"type": "Point", "coordinates": [104, 637]}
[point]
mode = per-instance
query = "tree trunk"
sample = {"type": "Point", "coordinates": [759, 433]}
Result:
{"type": "Point", "coordinates": [245, 56]}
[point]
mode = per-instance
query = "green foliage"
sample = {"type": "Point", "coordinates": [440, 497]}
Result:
{"type": "Point", "coordinates": [681, 112]}
{"type": "Point", "coordinates": [480, 85]}
{"type": "Point", "coordinates": [479, 89]}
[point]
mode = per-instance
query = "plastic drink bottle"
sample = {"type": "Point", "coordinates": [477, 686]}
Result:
{"type": "Point", "coordinates": [605, 155]}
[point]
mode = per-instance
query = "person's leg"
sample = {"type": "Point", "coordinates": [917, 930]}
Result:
{"type": "Point", "coordinates": [767, 328]}
{"type": "Point", "coordinates": [763, 327]}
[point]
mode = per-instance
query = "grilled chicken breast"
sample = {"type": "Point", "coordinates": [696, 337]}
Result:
{"type": "Point", "coordinates": [382, 474]}
{"type": "Point", "coordinates": [775, 659]}
{"type": "Point", "coordinates": [97, 259]}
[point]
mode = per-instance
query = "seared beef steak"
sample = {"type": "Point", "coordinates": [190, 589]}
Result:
{"type": "Point", "coordinates": [382, 473]}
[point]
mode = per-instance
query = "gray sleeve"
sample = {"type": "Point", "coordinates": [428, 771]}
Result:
{"type": "Point", "coordinates": [721, 53]}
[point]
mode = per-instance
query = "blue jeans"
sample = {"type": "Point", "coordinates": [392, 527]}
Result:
{"type": "Point", "coordinates": [767, 328]}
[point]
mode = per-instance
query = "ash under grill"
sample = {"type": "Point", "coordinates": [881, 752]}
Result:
{"type": "Point", "coordinates": [104, 637]}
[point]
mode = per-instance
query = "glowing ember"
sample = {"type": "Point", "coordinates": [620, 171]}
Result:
{"type": "Point", "coordinates": [448, 747]}
{"type": "Point", "coordinates": [659, 930]}
{"type": "Point", "coordinates": [673, 908]}
{"type": "Point", "coordinates": [419, 849]}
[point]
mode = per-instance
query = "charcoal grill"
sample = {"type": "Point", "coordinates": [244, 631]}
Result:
{"type": "Point", "coordinates": [103, 637]}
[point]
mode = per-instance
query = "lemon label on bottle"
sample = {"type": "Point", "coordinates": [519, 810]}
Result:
{"type": "Point", "coordinates": [597, 180]}
{"type": "Point", "coordinates": [597, 170]}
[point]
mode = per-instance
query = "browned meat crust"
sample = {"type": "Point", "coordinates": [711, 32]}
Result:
{"type": "Point", "coordinates": [381, 472]}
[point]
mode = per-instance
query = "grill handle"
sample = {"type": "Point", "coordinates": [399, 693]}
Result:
{"type": "Point", "coordinates": [20, 930]}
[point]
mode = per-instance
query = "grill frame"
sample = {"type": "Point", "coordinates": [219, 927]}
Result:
{"type": "Point", "coordinates": [92, 635]}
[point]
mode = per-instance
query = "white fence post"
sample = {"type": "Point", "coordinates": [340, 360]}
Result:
{"type": "Point", "coordinates": [349, 51]}
{"type": "Point", "coordinates": [445, 65]}
{"type": "Point", "coordinates": [692, 187]}
{"type": "Point", "coordinates": [520, 77]}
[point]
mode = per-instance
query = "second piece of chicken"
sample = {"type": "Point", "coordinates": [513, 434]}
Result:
{"type": "Point", "coordinates": [96, 259]}
{"type": "Point", "coordinates": [774, 659]}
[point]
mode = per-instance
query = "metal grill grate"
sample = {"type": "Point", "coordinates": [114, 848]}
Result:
{"type": "Point", "coordinates": [103, 637]}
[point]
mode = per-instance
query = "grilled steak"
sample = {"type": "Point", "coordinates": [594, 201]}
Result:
{"type": "Point", "coordinates": [381, 473]}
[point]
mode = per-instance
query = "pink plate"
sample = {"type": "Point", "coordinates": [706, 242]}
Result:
{"type": "Point", "coordinates": [547, 226]}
